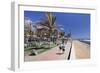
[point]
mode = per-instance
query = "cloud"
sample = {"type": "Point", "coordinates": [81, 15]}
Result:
{"type": "Point", "coordinates": [61, 28]}
{"type": "Point", "coordinates": [27, 23]}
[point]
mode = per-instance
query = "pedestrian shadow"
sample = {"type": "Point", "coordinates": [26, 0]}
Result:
{"type": "Point", "coordinates": [59, 53]}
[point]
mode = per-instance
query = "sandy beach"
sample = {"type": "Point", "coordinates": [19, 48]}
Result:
{"type": "Point", "coordinates": [82, 50]}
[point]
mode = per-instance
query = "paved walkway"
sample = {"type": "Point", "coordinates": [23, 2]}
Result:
{"type": "Point", "coordinates": [73, 53]}
{"type": "Point", "coordinates": [79, 51]}
{"type": "Point", "coordinates": [53, 54]}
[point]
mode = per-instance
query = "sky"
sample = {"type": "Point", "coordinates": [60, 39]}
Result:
{"type": "Point", "coordinates": [76, 23]}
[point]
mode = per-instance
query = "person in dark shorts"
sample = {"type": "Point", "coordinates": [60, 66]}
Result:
{"type": "Point", "coordinates": [62, 48]}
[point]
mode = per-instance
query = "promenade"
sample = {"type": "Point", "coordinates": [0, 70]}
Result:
{"type": "Point", "coordinates": [79, 50]}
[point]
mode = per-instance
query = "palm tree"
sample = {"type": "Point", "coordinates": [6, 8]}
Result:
{"type": "Point", "coordinates": [30, 34]}
{"type": "Point", "coordinates": [62, 36]}
{"type": "Point", "coordinates": [51, 25]}
{"type": "Point", "coordinates": [27, 30]}
{"type": "Point", "coordinates": [51, 22]}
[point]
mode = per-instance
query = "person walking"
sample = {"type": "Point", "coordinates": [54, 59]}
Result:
{"type": "Point", "coordinates": [62, 48]}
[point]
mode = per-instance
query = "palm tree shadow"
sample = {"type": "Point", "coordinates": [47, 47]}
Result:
{"type": "Point", "coordinates": [32, 54]}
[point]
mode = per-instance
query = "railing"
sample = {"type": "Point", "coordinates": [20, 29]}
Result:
{"type": "Point", "coordinates": [69, 55]}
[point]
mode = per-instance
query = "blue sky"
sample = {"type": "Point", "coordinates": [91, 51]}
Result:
{"type": "Point", "coordinates": [76, 23]}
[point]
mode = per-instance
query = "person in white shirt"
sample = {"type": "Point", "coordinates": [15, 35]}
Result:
{"type": "Point", "coordinates": [62, 48]}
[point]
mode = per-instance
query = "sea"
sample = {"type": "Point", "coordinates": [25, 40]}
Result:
{"type": "Point", "coordinates": [86, 41]}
